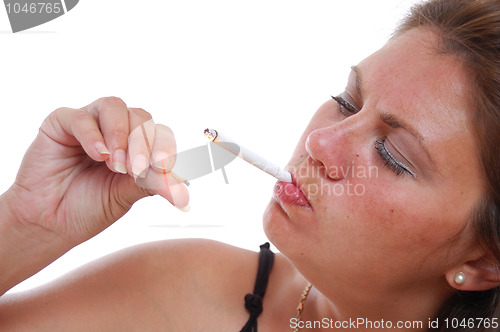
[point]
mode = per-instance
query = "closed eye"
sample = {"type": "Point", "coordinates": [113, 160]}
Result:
{"type": "Point", "coordinates": [346, 108]}
{"type": "Point", "coordinates": [389, 161]}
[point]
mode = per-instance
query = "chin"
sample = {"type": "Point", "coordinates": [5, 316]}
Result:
{"type": "Point", "coordinates": [281, 233]}
{"type": "Point", "coordinates": [274, 224]}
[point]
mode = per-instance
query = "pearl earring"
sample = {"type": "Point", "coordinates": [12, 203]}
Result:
{"type": "Point", "coordinates": [460, 278]}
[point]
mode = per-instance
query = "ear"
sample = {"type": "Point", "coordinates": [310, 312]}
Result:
{"type": "Point", "coordinates": [480, 274]}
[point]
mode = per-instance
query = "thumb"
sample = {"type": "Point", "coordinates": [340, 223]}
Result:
{"type": "Point", "coordinates": [126, 192]}
{"type": "Point", "coordinates": [164, 184]}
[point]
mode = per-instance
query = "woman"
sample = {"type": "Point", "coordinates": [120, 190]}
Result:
{"type": "Point", "coordinates": [411, 244]}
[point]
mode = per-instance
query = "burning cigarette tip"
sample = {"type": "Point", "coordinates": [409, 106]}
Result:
{"type": "Point", "coordinates": [211, 134]}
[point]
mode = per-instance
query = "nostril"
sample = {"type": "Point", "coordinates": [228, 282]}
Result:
{"type": "Point", "coordinates": [315, 168]}
{"type": "Point", "coordinates": [336, 173]}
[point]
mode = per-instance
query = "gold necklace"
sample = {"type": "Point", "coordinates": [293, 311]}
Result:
{"type": "Point", "coordinates": [300, 307]}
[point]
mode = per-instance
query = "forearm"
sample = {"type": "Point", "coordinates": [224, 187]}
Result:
{"type": "Point", "coordinates": [25, 248]}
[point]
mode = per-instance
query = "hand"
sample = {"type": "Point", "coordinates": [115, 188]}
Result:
{"type": "Point", "coordinates": [88, 166]}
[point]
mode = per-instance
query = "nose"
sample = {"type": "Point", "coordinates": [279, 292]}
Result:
{"type": "Point", "coordinates": [336, 147]}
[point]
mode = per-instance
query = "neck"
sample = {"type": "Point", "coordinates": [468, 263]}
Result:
{"type": "Point", "coordinates": [414, 309]}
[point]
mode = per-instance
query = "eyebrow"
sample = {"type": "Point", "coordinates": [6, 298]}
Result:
{"type": "Point", "coordinates": [391, 120]}
{"type": "Point", "coordinates": [355, 69]}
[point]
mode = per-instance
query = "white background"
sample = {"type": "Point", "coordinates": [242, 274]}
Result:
{"type": "Point", "coordinates": [256, 70]}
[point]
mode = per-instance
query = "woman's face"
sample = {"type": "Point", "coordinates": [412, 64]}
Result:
{"type": "Point", "coordinates": [390, 177]}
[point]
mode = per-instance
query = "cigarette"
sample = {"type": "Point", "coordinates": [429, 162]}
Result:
{"type": "Point", "coordinates": [248, 155]}
{"type": "Point", "coordinates": [179, 178]}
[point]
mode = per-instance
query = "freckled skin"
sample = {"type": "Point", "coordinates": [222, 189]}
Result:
{"type": "Point", "coordinates": [380, 253]}
{"type": "Point", "coordinates": [391, 242]}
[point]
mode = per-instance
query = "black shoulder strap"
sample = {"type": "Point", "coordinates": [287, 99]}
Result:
{"type": "Point", "coordinates": [253, 302]}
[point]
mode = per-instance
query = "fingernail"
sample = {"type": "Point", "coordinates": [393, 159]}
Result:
{"type": "Point", "coordinates": [102, 149]}
{"type": "Point", "coordinates": [160, 160]}
{"type": "Point", "coordinates": [140, 166]}
{"type": "Point", "coordinates": [185, 208]}
{"type": "Point", "coordinates": [119, 159]}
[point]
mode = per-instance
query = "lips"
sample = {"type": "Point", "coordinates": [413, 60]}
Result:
{"type": "Point", "coordinates": [289, 193]}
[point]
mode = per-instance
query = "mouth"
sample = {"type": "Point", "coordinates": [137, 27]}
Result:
{"type": "Point", "coordinates": [291, 193]}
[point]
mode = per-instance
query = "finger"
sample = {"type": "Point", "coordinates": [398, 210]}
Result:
{"type": "Point", "coordinates": [164, 149]}
{"type": "Point", "coordinates": [167, 186]}
{"type": "Point", "coordinates": [140, 141]}
{"type": "Point", "coordinates": [112, 116]}
{"type": "Point", "coordinates": [73, 127]}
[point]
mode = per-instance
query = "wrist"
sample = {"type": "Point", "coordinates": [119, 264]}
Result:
{"type": "Point", "coordinates": [25, 248]}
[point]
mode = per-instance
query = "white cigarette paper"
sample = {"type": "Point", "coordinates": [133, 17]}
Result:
{"type": "Point", "coordinates": [248, 155]}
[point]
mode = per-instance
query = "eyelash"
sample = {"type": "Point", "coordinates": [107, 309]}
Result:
{"type": "Point", "coordinates": [389, 161]}
{"type": "Point", "coordinates": [347, 109]}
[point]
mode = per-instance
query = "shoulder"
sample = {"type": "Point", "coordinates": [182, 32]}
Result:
{"type": "Point", "coordinates": [201, 263]}
{"type": "Point", "coordinates": [197, 261]}
{"type": "Point", "coordinates": [196, 284]}
{"type": "Point", "coordinates": [178, 284]}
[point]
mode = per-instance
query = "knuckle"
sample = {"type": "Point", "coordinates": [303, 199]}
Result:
{"type": "Point", "coordinates": [50, 121]}
{"type": "Point", "coordinates": [140, 112]}
{"type": "Point", "coordinates": [111, 103]}
{"type": "Point", "coordinates": [118, 132]}
{"type": "Point", "coordinates": [59, 112]}
{"type": "Point", "coordinates": [52, 117]}
{"type": "Point", "coordinates": [81, 122]}
{"type": "Point", "coordinates": [82, 116]}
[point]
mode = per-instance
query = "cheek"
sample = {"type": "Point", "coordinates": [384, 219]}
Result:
{"type": "Point", "coordinates": [410, 220]}
{"type": "Point", "coordinates": [386, 222]}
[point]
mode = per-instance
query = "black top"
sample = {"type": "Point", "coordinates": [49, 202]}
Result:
{"type": "Point", "coordinates": [253, 302]}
